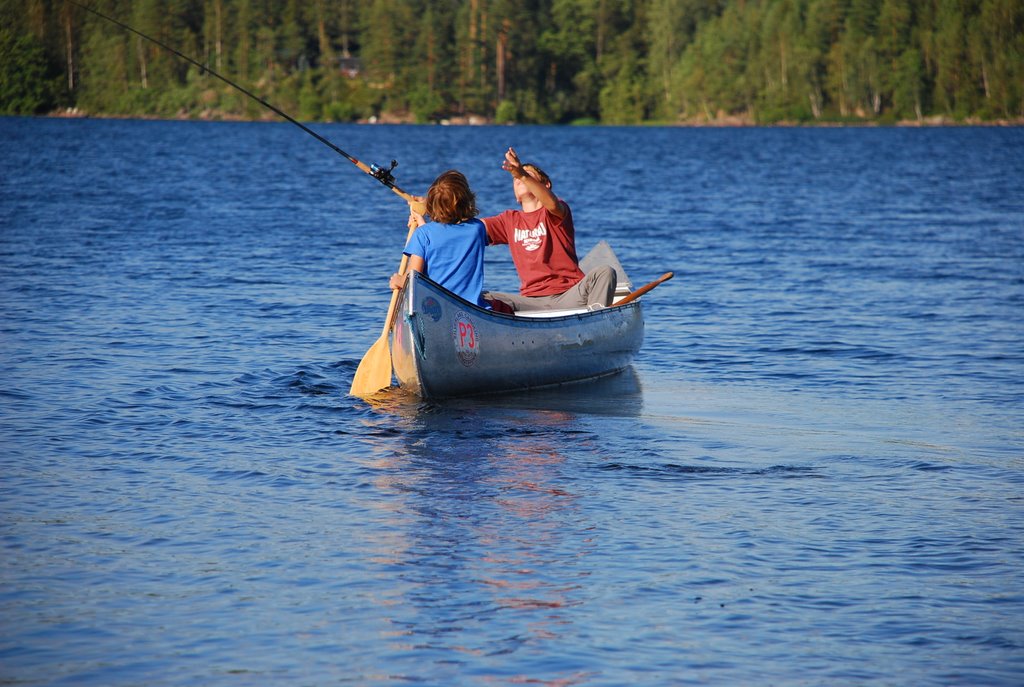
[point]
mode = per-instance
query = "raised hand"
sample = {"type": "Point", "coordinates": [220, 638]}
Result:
{"type": "Point", "coordinates": [512, 165]}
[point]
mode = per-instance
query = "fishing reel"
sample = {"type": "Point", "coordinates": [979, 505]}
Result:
{"type": "Point", "coordinates": [382, 175]}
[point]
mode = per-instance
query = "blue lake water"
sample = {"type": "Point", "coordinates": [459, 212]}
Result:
{"type": "Point", "coordinates": [812, 474]}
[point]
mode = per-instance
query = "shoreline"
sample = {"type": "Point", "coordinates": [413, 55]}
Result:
{"type": "Point", "coordinates": [737, 122]}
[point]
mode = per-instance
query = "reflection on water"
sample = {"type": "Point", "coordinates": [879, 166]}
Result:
{"type": "Point", "coordinates": [494, 545]}
{"type": "Point", "coordinates": [617, 395]}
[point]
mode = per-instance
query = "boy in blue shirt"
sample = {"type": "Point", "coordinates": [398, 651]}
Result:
{"type": "Point", "coordinates": [450, 248]}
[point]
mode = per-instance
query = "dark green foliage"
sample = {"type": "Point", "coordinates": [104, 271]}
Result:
{"type": "Point", "coordinates": [610, 61]}
{"type": "Point", "coordinates": [27, 84]}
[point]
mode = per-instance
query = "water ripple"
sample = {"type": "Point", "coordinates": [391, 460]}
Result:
{"type": "Point", "coordinates": [812, 473]}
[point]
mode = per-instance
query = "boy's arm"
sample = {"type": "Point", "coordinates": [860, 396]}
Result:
{"type": "Point", "coordinates": [540, 190]}
{"type": "Point", "coordinates": [416, 263]}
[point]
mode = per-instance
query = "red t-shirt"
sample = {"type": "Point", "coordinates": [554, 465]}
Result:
{"type": "Point", "coordinates": [543, 248]}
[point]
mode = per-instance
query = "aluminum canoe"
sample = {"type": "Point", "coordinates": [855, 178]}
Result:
{"type": "Point", "coordinates": [443, 346]}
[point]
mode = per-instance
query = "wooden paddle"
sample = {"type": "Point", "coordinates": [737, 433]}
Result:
{"type": "Point", "coordinates": [374, 371]}
{"type": "Point", "coordinates": [633, 295]}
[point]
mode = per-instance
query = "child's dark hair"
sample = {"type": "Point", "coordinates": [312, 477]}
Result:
{"type": "Point", "coordinates": [539, 173]}
{"type": "Point", "coordinates": [450, 200]}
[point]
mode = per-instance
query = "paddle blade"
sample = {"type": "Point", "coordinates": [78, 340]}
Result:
{"type": "Point", "coordinates": [374, 371]}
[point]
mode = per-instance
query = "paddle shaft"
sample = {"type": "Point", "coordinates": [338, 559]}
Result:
{"type": "Point", "coordinates": [382, 175]}
{"type": "Point", "coordinates": [394, 294]}
{"type": "Point", "coordinates": [633, 295]}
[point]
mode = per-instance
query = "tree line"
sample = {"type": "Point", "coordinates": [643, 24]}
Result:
{"type": "Point", "coordinates": [536, 61]}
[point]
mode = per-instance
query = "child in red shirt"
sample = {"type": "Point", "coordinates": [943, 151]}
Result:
{"type": "Point", "coordinates": [542, 241]}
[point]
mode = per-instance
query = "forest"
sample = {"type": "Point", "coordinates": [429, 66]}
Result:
{"type": "Point", "coordinates": [521, 61]}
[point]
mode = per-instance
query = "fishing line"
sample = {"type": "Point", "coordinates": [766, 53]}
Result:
{"type": "Point", "coordinates": [381, 174]}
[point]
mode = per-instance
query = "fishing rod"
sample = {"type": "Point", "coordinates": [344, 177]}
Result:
{"type": "Point", "coordinates": [381, 174]}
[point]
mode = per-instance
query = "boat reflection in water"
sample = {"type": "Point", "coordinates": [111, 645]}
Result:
{"type": "Point", "coordinates": [489, 550]}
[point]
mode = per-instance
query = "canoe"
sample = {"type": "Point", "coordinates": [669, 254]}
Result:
{"type": "Point", "coordinates": [444, 346]}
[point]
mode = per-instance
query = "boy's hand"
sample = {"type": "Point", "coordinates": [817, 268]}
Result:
{"type": "Point", "coordinates": [512, 165]}
{"type": "Point", "coordinates": [417, 208]}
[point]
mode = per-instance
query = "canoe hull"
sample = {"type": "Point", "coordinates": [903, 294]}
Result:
{"type": "Point", "coordinates": [444, 346]}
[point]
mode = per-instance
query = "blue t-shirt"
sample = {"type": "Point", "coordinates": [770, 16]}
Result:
{"type": "Point", "coordinates": [454, 254]}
